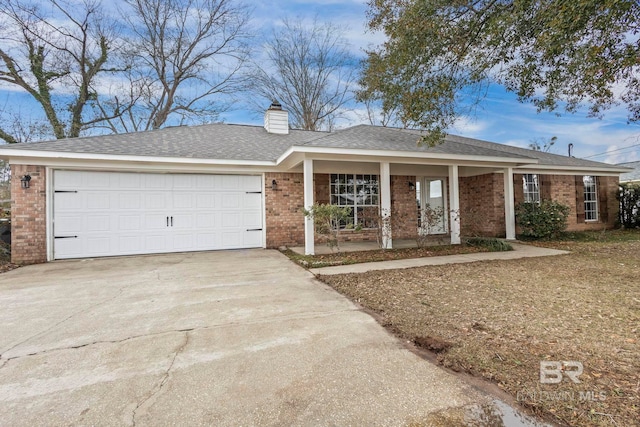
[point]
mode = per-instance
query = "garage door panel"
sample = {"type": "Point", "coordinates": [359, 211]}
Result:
{"type": "Point", "coordinates": [183, 200]}
{"type": "Point", "coordinates": [97, 223]}
{"type": "Point", "coordinates": [251, 201]}
{"type": "Point", "coordinates": [95, 245]}
{"type": "Point", "coordinates": [127, 213]}
{"type": "Point", "coordinates": [252, 238]}
{"type": "Point", "coordinates": [69, 224]}
{"type": "Point", "coordinates": [68, 202]}
{"type": "Point", "coordinates": [130, 201]}
{"type": "Point", "coordinates": [252, 219]}
{"type": "Point", "coordinates": [231, 201]}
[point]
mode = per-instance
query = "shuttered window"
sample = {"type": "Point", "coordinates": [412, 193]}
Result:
{"type": "Point", "coordinates": [590, 198]}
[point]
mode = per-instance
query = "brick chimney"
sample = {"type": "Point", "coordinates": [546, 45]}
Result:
{"type": "Point", "coordinates": [276, 120]}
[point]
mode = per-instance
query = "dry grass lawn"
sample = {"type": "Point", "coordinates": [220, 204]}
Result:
{"type": "Point", "coordinates": [500, 319]}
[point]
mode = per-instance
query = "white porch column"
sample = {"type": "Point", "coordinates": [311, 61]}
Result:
{"type": "Point", "coordinates": [509, 205]}
{"type": "Point", "coordinates": [385, 204]}
{"type": "Point", "coordinates": [309, 232]}
{"type": "Point", "coordinates": [454, 205]}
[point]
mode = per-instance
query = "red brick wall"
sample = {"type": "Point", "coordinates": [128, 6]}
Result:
{"type": "Point", "coordinates": [563, 190]}
{"type": "Point", "coordinates": [28, 216]}
{"type": "Point", "coordinates": [404, 219]}
{"type": "Point", "coordinates": [482, 205]}
{"type": "Point", "coordinates": [285, 220]}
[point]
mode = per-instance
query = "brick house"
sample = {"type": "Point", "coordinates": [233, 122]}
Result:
{"type": "Point", "coordinates": [223, 186]}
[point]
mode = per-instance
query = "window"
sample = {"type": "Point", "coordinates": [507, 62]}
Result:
{"type": "Point", "coordinates": [360, 193]}
{"type": "Point", "coordinates": [531, 188]}
{"type": "Point", "coordinates": [590, 198]}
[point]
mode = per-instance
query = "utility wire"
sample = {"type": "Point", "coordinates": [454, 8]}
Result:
{"type": "Point", "coordinates": [612, 151]}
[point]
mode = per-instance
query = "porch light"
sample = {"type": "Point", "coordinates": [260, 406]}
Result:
{"type": "Point", "coordinates": [412, 186]}
{"type": "Point", "coordinates": [24, 181]}
{"type": "Point", "coordinates": [274, 185]}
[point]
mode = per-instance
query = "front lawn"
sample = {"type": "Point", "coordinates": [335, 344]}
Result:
{"type": "Point", "coordinates": [499, 319]}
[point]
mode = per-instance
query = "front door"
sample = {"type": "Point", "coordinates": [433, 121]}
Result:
{"type": "Point", "coordinates": [432, 204]}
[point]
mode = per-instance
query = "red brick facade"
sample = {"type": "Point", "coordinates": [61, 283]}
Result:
{"type": "Point", "coordinates": [481, 207]}
{"type": "Point", "coordinates": [285, 220]}
{"type": "Point", "coordinates": [28, 216]}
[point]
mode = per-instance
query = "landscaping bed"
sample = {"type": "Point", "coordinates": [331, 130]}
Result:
{"type": "Point", "coordinates": [344, 258]}
{"type": "Point", "coordinates": [499, 319]}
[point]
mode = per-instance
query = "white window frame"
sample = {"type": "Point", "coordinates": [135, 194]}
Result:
{"type": "Point", "coordinates": [531, 188]}
{"type": "Point", "coordinates": [354, 191]}
{"type": "Point", "coordinates": [590, 198]}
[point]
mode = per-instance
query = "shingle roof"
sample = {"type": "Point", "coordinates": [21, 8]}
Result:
{"type": "Point", "coordinates": [383, 138]}
{"type": "Point", "coordinates": [253, 143]}
{"type": "Point", "coordinates": [634, 175]}
{"type": "Point", "coordinates": [212, 141]}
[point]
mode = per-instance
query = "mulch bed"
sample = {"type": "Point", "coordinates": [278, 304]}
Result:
{"type": "Point", "coordinates": [344, 258]}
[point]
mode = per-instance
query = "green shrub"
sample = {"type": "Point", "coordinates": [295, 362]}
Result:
{"type": "Point", "coordinates": [629, 198]}
{"type": "Point", "coordinates": [542, 221]}
{"type": "Point", "coordinates": [491, 243]}
{"type": "Point", "coordinates": [327, 220]}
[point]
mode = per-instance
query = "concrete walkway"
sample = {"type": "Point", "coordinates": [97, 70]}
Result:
{"type": "Point", "coordinates": [520, 251]}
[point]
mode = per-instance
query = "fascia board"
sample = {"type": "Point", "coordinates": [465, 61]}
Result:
{"type": "Point", "coordinates": [376, 155]}
{"type": "Point", "coordinates": [43, 157]}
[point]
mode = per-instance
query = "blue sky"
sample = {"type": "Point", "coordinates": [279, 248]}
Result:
{"type": "Point", "coordinates": [500, 118]}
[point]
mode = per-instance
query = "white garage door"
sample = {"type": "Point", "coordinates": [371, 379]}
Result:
{"type": "Point", "coordinates": [112, 213]}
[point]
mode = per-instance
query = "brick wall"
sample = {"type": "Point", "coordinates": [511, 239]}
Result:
{"type": "Point", "coordinates": [566, 189]}
{"type": "Point", "coordinates": [404, 219]}
{"type": "Point", "coordinates": [482, 205]}
{"type": "Point", "coordinates": [28, 216]}
{"type": "Point", "coordinates": [285, 220]}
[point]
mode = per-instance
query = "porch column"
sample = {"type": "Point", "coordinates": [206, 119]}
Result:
{"type": "Point", "coordinates": [509, 206]}
{"type": "Point", "coordinates": [385, 204]}
{"type": "Point", "coordinates": [309, 232]}
{"type": "Point", "coordinates": [454, 205]}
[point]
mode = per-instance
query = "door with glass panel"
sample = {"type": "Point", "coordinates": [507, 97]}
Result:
{"type": "Point", "coordinates": [432, 205]}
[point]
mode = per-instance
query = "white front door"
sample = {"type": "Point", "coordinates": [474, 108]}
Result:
{"type": "Point", "coordinates": [117, 213]}
{"type": "Point", "coordinates": [432, 202]}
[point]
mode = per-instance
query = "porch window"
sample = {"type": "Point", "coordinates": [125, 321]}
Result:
{"type": "Point", "coordinates": [590, 198]}
{"type": "Point", "coordinates": [531, 188]}
{"type": "Point", "coordinates": [360, 193]}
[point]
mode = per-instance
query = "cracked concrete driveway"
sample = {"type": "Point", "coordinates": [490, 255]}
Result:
{"type": "Point", "coordinates": [218, 338]}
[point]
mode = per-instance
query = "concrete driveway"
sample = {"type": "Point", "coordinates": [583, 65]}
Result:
{"type": "Point", "coordinates": [218, 338]}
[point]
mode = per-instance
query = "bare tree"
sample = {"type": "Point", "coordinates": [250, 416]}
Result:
{"type": "Point", "coordinates": [56, 54]}
{"type": "Point", "coordinates": [185, 55]}
{"type": "Point", "coordinates": [310, 70]}
{"type": "Point", "coordinates": [542, 144]}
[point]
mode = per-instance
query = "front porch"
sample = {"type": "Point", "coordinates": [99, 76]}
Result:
{"type": "Point", "coordinates": [400, 184]}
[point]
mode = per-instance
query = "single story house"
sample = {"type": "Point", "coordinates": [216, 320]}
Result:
{"type": "Point", "coordinates": [632, 176]}
{"type": "Point", "coordinates": [225, 186]}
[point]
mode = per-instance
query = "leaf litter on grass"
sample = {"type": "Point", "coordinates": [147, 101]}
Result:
{"type": "Point", "coordinates": [500, 319]}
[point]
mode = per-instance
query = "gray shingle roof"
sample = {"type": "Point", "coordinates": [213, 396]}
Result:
{"type": "Point", "coordinates": [383, 138]}
{"type": "Point", "coordinates": [253, 143]}
{"type": "Point", "coordinates": [213, 141]}
{"type": "Point", "coordinates": [633, 175]}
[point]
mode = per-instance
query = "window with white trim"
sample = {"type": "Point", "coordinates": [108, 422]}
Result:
{"type": "Point", "coordinates": [590, 198]}
{"type": "Point", "coordinates": [360, 192]}
{"type": "Point", "coordinates": [531, 188]}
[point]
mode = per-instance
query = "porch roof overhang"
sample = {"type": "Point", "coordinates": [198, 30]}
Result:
{"type": "Point", "coordinates": [295, 155]}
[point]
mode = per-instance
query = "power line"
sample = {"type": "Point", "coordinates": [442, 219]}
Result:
{"type": "Point", "coordinates": [612, 151]}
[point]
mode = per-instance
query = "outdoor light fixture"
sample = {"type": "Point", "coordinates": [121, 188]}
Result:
{"type": "Point", "coordinates": [274, 185]}
{"type": "Point", "coordinates": [412, 186]}
{"type": "Point", "coordinates": [24, 181]}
